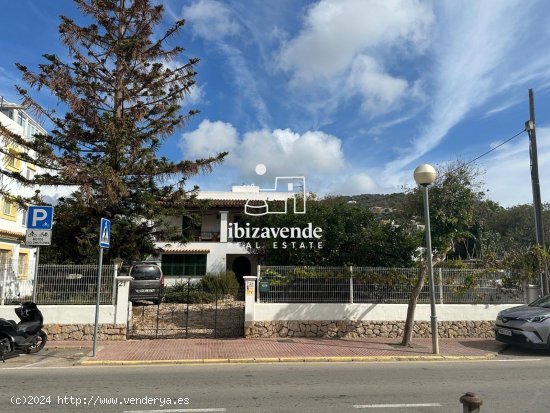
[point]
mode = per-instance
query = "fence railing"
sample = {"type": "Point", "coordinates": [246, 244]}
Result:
{"type": "Point", "coordinates": [58, 284]}
{"type": "Point", "coordinates": [279, 284]}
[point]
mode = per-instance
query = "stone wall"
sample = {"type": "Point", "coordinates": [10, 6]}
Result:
{"type": "Point", "coordinates": [356, 329]}
{"type": "Point", "coordinates": [58, 332]}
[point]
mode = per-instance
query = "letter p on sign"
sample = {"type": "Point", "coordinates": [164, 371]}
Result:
{"type": "Point", "coordinates": [39, 217]}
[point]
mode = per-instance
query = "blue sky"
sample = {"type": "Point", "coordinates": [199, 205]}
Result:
{"type": "Point", "coordinates": [352, 94]}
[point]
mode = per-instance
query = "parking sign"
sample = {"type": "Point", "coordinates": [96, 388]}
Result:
{"type": "Point", "coordinates": [40, 217]}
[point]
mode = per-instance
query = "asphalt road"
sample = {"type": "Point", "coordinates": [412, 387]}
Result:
{"type": "Point", "coordinates": [516, 383]}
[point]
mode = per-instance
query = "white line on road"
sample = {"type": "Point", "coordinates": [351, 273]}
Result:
{"type": "Point", "coordinates": [178, 411]}
{"type": "Point", "coordinates": [395, 405]}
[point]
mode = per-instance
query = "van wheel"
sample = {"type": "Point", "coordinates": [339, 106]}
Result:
{"type": "Point", "coordinates": [157, 301]}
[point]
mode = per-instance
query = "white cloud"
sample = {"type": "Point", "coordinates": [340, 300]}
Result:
{"type": "Point", "coordinates": [209, 139]}
{"type": "Point", "coordinates": [337, 31]}
{"type": "Point", "coordinates": [196, 95]}
{"type": "Point", "coordinates": [380, 91]}
{"type": "Point", "coordinates": [346, 46]}
{"type": "Point", "coordinates": [210, 20]}
{"type": "Point", "coordinates": [508, 173]}
{"type": "Point", "coordinates": [356, 184]}
{"type": "Point", "coordinates": [471, 54]}
{"type": "Point", "coordinates": [284, 152]}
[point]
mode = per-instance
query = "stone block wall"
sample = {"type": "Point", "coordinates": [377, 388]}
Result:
{"type": "Point", "coordinates": [58, 332]}
{"type": "Point", "coordinates": [368, 329]}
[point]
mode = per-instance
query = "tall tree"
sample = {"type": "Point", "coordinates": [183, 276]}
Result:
{"type": "Point", "coordinates": [350, 235]}
{"type": "Point", "coordinates": [453, 197]}
{"type": "Point", "coordinates": [121, 93]}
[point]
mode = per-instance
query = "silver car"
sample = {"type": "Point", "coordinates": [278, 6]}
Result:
{"type": "Point", "coordinates": [526, 325]}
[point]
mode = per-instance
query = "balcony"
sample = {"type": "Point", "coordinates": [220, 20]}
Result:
{"type": "Point", "coordinates": [209, 237]}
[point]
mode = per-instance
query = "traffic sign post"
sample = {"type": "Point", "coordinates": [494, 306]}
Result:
{"type": "Point", "coordinates": [39, 225]}
{"type": "Point", "coordinates": [104, 242]}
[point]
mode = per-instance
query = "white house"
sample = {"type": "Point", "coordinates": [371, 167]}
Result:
{"type": "Point", "coordinates": [16, 258]}
{"type": "Point", "coordinates": [213, 248]}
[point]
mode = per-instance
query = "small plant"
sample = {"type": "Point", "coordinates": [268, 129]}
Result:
{"type": "Point", "coordinates": [222, 283]}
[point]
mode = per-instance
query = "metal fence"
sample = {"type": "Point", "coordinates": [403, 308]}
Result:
{"type": "Point", "coordinates": [279, 284]}
{"type": "Point", "coordinates": [14, 280]}
{"type": "Point", "coordinates": [58, 284]}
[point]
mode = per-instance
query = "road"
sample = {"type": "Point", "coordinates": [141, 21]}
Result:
{"type": "Point", "coordinates": [515, 383]}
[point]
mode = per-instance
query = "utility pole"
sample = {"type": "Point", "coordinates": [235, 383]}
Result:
{"type": "Point", "coordinates": [531, 131]}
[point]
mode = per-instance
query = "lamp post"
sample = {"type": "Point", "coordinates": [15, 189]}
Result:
{"type": "Point", "coordinates": [424, 175]}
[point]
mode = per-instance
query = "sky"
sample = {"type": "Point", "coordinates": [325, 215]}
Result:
{"type": "Point", "coordinates": [351, 94]}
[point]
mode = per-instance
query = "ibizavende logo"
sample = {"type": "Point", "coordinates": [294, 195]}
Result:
{"type": "Point", "coordinates": [283, 237]}
{"type": "Point", "coordinates": [295, 188]}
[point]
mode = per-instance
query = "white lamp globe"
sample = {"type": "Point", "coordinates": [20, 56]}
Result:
{"type": "Point", "coordinates": [424, 174]}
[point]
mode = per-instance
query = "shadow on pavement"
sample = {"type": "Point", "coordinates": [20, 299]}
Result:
{"type": "Point", "coordinates": [486, 345]}
{"type": "Point", "coordinates": [509, 350]}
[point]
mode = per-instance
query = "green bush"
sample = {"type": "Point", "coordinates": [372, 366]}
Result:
{"type": "Point", "coordinates": [222, 283]}
{"type": "Point", "coordinates": [192, 294]}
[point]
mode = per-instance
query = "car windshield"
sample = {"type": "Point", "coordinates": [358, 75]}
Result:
{"type": "Point", "coordinates": [541, 302]}
{"type": "Point", "coordinates": [145, 272]}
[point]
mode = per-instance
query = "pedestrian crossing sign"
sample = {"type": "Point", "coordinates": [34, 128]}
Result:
{"type": "Point", "coordinates": [105, 233]}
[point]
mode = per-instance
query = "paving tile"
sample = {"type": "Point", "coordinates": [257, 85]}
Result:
{"type": "Point", "coordinates": [232, 349]}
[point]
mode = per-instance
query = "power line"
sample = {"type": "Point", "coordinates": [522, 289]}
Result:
{"type": "Point", "coordinates": [492, 149]}
{"type": "Point", "coordinates": [485, 153]}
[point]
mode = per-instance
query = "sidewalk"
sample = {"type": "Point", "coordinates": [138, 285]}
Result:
{"type": "Point", "coordinates": [188, 351]}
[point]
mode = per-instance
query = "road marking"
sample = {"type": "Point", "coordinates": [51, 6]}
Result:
{"type": "Point", "coordinates": [395, 405]}
{"type": "Point", "coordinates": [178, 410]}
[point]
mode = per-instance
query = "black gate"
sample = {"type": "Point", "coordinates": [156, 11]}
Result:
{"type": "Point", "coordinates": [191, 310]}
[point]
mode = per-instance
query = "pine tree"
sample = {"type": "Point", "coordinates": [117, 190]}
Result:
{"type": "Point", "coordinates": [121, 95]}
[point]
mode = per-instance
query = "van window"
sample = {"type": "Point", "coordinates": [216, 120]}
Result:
{"type": "Point", "coordinates": [145, 272]}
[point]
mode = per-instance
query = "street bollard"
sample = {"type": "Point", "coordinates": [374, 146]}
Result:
{"type": "Point", "coordinates": [470, 403]}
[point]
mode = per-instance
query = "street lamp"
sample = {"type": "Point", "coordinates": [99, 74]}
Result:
{"type": "Point", "coordinates": [424, 175]}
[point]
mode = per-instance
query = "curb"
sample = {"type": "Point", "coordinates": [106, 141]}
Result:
{"type": "Point", "coordinates": [88, 362]}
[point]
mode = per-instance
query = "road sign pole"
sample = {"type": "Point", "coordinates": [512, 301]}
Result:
{"type": "Point", "coordinates": [96, 324]}
{"type": "Point", "coordinates": [35, 283]}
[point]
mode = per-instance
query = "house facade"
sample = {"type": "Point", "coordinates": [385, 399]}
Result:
{"type": "Point", "coordinates": [16, 259]}
{"type": "Point", "coordinates": [213, 248]}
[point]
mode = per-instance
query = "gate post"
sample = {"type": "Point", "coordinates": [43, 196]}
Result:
{"type": "Point", "coordinates": [249, 302]}
{"type": "Point", "coordinates": [122, 305]}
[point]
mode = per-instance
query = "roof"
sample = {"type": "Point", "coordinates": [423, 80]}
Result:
{"type": "Point", "coordinates": [244, 196]}
{"type": "Point", "coordinates": [186, 250]}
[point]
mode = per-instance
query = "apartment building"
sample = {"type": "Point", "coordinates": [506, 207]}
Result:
{"type": "Point", "coordinates": [16, 258]}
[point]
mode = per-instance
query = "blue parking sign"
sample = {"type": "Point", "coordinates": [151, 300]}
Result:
{"type": "Point", "coordinates": [40, 217]}
{"type": "Point", "coordinates": [105, 233]}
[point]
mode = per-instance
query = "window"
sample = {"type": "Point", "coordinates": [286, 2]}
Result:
{"type": "Point", "coordinates": [10, 160]}
{"type": "Point", "coordinates": [8, 211]}
{"type": "Point", "coordinates": [8, 205]}
{"type": "Point", "coordinates": [183, 265]}
{"type": "Point", "coordinates": [20, 119]}
{"type": "Point", "coordinates": [23, 269]}
{"type": "Point", "coordinates": [5, 256]}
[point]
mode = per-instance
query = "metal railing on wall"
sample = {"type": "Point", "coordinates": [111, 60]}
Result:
{"type": "Point", "coordinates": [282, 284]}
{"type": "Point", "coordinates": [57, 284]}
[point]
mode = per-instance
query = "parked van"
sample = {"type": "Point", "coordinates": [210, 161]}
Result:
{"type": "Point", "coordinates": [147, 283]}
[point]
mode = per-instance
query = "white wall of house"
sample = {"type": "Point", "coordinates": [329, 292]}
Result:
{"type": "Point", "coordinates": [374, 312]}
{"type": "Point", "coordinates": [216, 258]}
{"type": "Point", "coordinates": [68, 314]}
